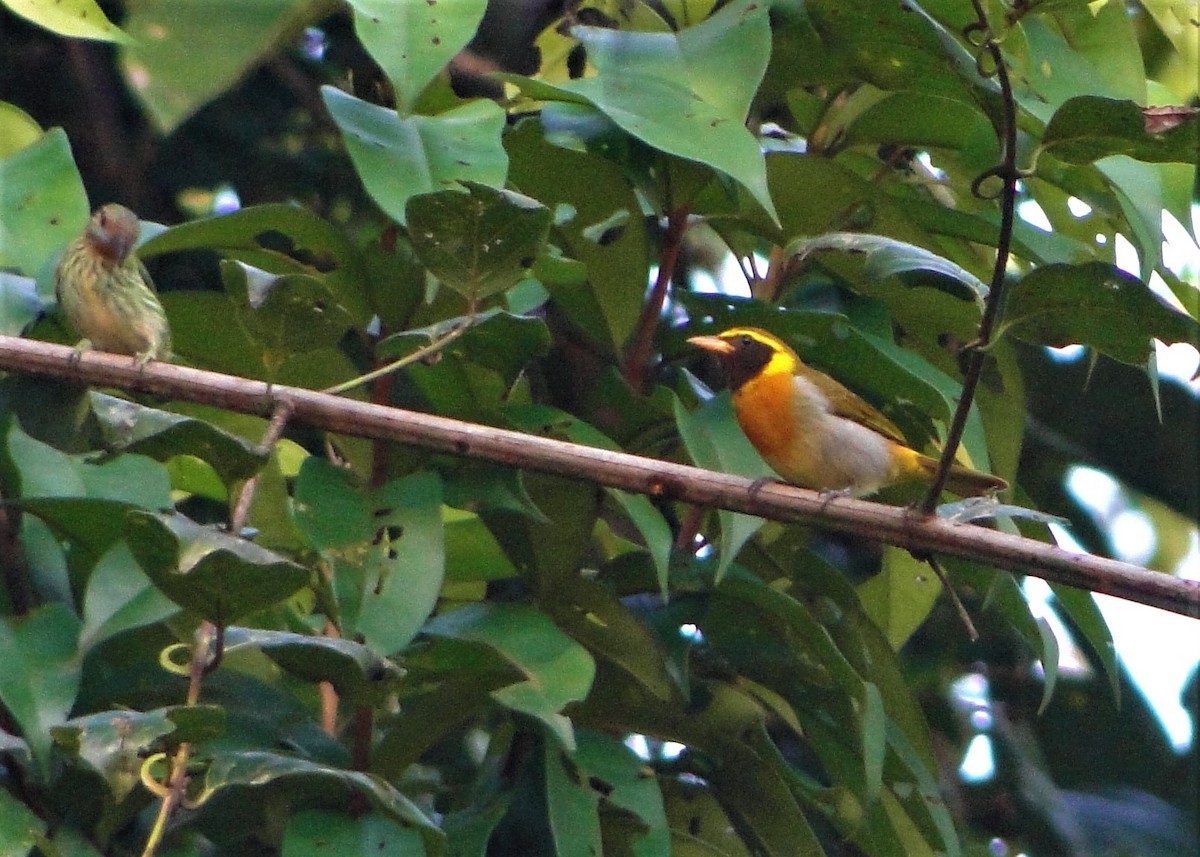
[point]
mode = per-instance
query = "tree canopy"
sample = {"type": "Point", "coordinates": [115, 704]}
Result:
{"type": "Point", "coordinates": [228, 630]}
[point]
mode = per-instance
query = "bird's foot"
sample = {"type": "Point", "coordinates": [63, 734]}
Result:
{"type": "Point", "coordinates": [77, 353]}
{"type": "Point", "coordinates": [143, 357]}
{"type": "Point", "coordinates": [828, 495]}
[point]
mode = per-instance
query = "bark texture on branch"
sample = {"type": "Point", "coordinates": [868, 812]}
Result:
{"type": "Point", "coordinates": [664, 479]}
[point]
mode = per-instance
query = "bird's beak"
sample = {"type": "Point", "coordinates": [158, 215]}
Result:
{"type": "Point", "coordinates": [712, 343]}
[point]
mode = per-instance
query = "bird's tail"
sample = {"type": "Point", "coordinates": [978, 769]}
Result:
{"type": "Point", "coordinates": [962, 481]}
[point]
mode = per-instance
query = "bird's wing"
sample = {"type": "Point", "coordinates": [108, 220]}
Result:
{"type": "Point", "coordinates": [844, 402]}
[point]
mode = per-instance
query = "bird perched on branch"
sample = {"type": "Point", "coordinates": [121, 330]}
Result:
{"type": "Point", "coordinates": [814, 432]}
{"type": "Point", "coordinates": [106, 292]}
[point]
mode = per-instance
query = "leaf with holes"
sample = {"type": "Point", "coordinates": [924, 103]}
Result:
{"type": "Point", "coordinates": [478, 243]}
{"type": "Point", "coordinates": [211, 573]}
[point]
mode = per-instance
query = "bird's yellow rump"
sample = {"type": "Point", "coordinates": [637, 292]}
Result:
{"type": "Point", "coordinates": [813, 431]}
{"type": "Point", "coordinates": [107, 294]}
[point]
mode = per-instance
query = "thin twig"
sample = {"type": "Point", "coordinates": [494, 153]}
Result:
{"type": "Point", "coordinates": [663, 480]}
{"type": "Point", "coordinates": [422, 353]}
{"type": "Point", "coordinates": [637, 358]}
{"type": "Point", "coordinates": [1008, 173]}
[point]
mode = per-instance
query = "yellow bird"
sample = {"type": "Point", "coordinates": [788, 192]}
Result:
{"type": "Point", "coordinates": [107, 294]}
{"type": "Point", "coordinates": [814, 432]}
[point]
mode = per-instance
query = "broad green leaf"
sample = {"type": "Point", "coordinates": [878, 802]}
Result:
{"type": "Point", "coordinates": [407, 566]}
{"type": "Point", "coordinates": [472, 553]}
{"type": "Point", "coordinates": [43, 205]}
{"type": "Point", "coordinates": [208, 572]}
{"type": "Point", "coordinates": [1081, 608]}
{"type": "Point", "coordinates": [315, 832]}
{"type": "Point", "coordinates": [250, 769]}
{"type": "Point", "coordinates": [1139, 192]}
{"type": "Point", "coordinates": [292, 314]}
{"type": "Point", "coordinates": [558, 669]}
{"type": "Point", "coordinates": [355, 672]}
{"type": "Point", "coordinates": [919, 119]}
{"type": "Point", "coordinates": [120, 597]}
{"type": "Point", "coordinates": [115, 743]}
{"type": "Point", "coordinates": [398, 158]}
{"type": "Point", "coordinates": [413, 40]}
{"type": "Point", "coordinates": [76, 19]}
{"type": "Point", "coordinates": [41, 675]}
{"type": "Point", "coordinates": [470, 829]}
{"type": "Point", "coordinates": [331, 507]}
{"type": "Point", "coordinates": [477, 243]}
{"type": "Point", "coordinates": [899, 598]}
{"type": "Point", "coordinates": [604, 231]}
{"type": "Point", "coordinates": [1088, 127]}
{"type": "Point", "coordinates": [898, 48]}
{"type": "Point", "coordinates": [278, 239]}
{"type": "Point", "coordinates": [20, 828]}
{"type": "Point", "coordinates": [612, 632]}
{"type": "Point", "coordinates": [621, 778]}
{"type": "Point", "coordinates": [129, 427]}
{"type": "Point", "coordinates": [185, 54]}
{"type": "Point", "coordinates": [1090, 50]}
{"type": "Point", "coordinates": [571, 806]}
{"type": "Point", "coordinates": [887, 257]}
{"type": "Point", "coordinates": [17, 129]}
{"type": "Point", "coordinates": [683, 93]}
{"type": "Point", "coordinates": [649, 521]}
{"type": "Point", "coordinates": [714, 442]}
{"type": "Point", "coordinates": [1097, 305]}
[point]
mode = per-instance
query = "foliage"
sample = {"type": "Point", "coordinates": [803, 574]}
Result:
{"type": "Point", "coordinates": [478, 643]}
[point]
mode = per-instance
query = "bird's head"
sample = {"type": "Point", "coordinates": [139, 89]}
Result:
{"type": "Point", "coordinates": [113, 232]}
{"type": "Point", "coordinates": [749, 352]}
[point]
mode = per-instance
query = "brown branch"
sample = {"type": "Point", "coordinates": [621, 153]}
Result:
{"type": "Point", "coordinates": [650, 476]}
{"type": "Point", "coordinates": [637, 358]}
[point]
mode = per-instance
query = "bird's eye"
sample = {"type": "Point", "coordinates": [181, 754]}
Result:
{"type": "Point", "coordinates": [747, 340]}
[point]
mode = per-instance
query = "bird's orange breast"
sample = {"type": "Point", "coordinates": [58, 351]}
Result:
{"type": "Point", "coordinates": [765, 412]}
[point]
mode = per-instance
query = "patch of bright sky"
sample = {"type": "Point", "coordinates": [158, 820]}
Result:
{"type": "Point", "coordinates": [1160, 649]}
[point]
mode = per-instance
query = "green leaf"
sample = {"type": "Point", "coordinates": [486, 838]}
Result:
{"type": "Point", "coordinates": [649, 521]}
{"type": "Point", "coordinates": [114, 743]}
{"type": "Point", "coordinates": [407, 566]}
{"type": "Point", "coordinates": [620, 776]}
{"type": "Point", "coordinates": [41, 674]}
{"type": "Point", "coordinates": [129, 427]}
{"type": "Point", "coordinates": [356, 673]}
{"type": "Point", "coordinates": [1080, 607]}
{"type": "Point", "coordinates": [559, 671]}
{"type": "Point", "coordinates": [184, 54]}
{"type": "Point", "coordinates": [571, 807]}
{"type": "Point", "coordinates": [478, 243]}
{"type": "Point", "coordinates": [604, 231]}
{"type": "Point", "coordinates": [715, 442]}
{"type": "Point", "coordinates": [318, 833]}
{"type": "Point", "coordinates": [899, 598]}
{"type": "Point", "coordinates": [279, 239]}
{"type": "Point", "coordinates": [230, 774]}
{"type": "Point", "coordinates": [1088, 127]}
{"type": "Point", "coordinates": [1050, 655]}
{"type": "Point", "coordinates": [20, 829]}
{"type": "Point", "coordinates": [413, 40]}
{"type": "Point", "coordinates": [17, 129]}
{"type": "Point", "coordinates": [287, 315]}
{"type": "Point", "coordinates": [1095, 304]}
{"type": "Point", "coordinates": [686, 93]}
{"type": "Point", "coordinates": [43, 204]}
{"type": "Point", "coordinates": [331, 507]}
{"type": "Point", "coordinates": [398, 158]}
{"type": "Point", "coordinates": [887, 257]}
{"type": "Point", "coordinates": [898, 48]}
{"type": "Point", "coordinates": [76, 19]}
{"type": "Point", "coordinates": [119, 598]}
{"type": "Point", "coordinates": [208, 572]}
